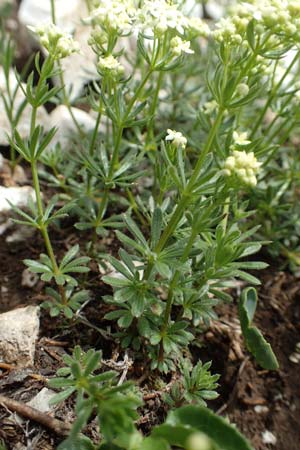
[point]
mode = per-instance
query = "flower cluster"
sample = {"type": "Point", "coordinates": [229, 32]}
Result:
{"type": "Point", "coordinates": [116, 15]}
{"type": "Point", "coordinates": [159, 15]}
{"type": "Point", "coordinates": [176, 138]}
{"type": "Point", "coordinates": [110, 65]}
{"type": "Point", "coordinates": [179, 46]}
{"type": "Point", "coordinates": [198, 27]}
{"type": "Point", "coordinates": [152, 17]}
{"type": "Point", "coordinates": [280, 17]}
{"type": "Point", "coordinates": [58, 43]}
{"type": "Point", "coordinates": [244, 165]}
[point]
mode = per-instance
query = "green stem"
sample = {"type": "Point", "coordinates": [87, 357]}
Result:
{"type": "Point", "coordinates": [137, 93]}
{"type": "Point", "coordinates": [152, 109]}
{"type": "Point", "coordinates": [53, 15]}
{"type": "Point", "coordinates": [170, 298]}
{"type": "Point", "coordinates": [67, 102]}
{"type": "Point", "coordinates": [186, 195]}
{"type": "Point", "coordinates": [273, 95]}
{"type": "Point", "coordinates": [113, 163]}
{"type": "Point", "coordinates": [42, 226]}
{"type": "Point", "coordinates": [225, 215]}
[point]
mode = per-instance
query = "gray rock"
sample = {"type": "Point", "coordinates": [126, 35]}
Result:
{"type": "Point", "coordinates": [18, 333]}
{"type": "Point", "coordinates": [41, 400]}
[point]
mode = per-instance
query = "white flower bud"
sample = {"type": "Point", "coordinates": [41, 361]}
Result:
{"type": "Point", "coordinates": [242, 89]}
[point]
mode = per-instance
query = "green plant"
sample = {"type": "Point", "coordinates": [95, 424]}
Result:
{"type": "Point", "coordinates": [115, 406]}
{"type": "Point", "coordinates": [195, 386]}
{"type": "Point", "coordinates": [184, 171]}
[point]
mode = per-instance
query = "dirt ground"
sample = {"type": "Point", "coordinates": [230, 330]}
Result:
{"type": "Point", "coordinates": [255, 400]}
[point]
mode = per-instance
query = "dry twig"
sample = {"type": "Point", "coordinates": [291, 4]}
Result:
{"type": "Point", "coordinates": [59, 427]}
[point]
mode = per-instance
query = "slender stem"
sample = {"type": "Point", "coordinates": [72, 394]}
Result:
{"type": "Point", "coordinates": [152, 109]}
{"type": "Point", "coordinates": [53, 15]}
{"type": "Point", "coordinates": [273, 94]}
{"type": "Point", "coordinates": [115, 156]}
{"type": "Point", "coordinates": [135, 208]}
{"type": "Point", "coordinates": [225, 215]}
{"type": "Point", "coordinates": [171, 292]}
{"type": "Point", "coordinates": [42, 226]}
{"type": "Point", "coordinates": [67, 102]}
{"type": "Point", "coordinates": [137, 93]}
{"type": "Point", "coordinates": [112, 167]}
{"type": "Point", "coordinates": [186, 195]}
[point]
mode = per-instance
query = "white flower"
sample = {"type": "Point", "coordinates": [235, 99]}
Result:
{"type": "Point", "coordinates": [58, 43]}
{"type": "Point", "coordinates": [179, 46]}
{"type": "Point", "coordinates": [176, 138]}
{"type": "Point", "coordinates": [240, 138]}
{"type": "Point", "coordinates": [111, 64]}
{"type": "Point", "coordinates": [244, 165]}
{"type": "Point", "coordinates": [114, 15]}
{"type": "Point", "coordinates": [157, 16]}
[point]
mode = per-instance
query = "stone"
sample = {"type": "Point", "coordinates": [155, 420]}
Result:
{"type": "Point", "coordinates": [42, 399]}
{"type": "Point", "coordinates": [40, 402]}
{"type": "Point", "coordinates": [37, 12]}
{"type": "Point", "coordinates": [18, 196]}
{"type": "Point", "coordinates": [19, 330]}
{"type": "Point", "coordinates": [269, 438]}
{"type": "Point", "coordinates": [61, 118]}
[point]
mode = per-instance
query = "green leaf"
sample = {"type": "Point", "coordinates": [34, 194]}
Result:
{"type": "Point", "coordinates": [69, 255]}
{"type": "Point", "coordinates": [255, 342]}
{"type": "Point", "coordinates": [250, 34]}
{"type": "Point", "coordinates": [37, 267]}
{"type": "Point", "coordinates": [184, 421]}
{"type": "Point", "coordinates": [151, 443]}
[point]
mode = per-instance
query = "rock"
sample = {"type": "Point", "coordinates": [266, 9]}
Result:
{"type": "Point", "coordinates": [37, 12]}
{"type": "Point", "coordinates": [260, 409]}
{"type": "Point", "coordinates": [61, 118]}
{"type": "Point", "coordinates": [23, 233]}
{"type": "Point", "coordinates": [41, 400]}
{"type": "Point", "coordinates": [18, 196]}
{"type": "Point", "coordinates": [268, 438]}
{"type": "Point", "coordinates": [19, 330]}
{"type": "Point", "coordinates": [29, 279]}
{"type": "Point", "coordinates": [79, 68]}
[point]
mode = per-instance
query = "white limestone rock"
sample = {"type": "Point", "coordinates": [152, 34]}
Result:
{"type": "Point", "coordinates": [61, 118]}
{"type": "Point", "coordinates": [37, 12]}
{"type": "Point", "coordinates": [19, 330]}
{"type": "Point", "coordinates": [18, 196]}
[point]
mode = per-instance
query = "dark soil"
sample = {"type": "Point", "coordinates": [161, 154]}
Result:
{"type": "Point", "coordinates": [255, 400]}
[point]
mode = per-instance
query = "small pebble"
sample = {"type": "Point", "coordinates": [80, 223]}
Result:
{"type": "Point", "coordinates": [295, 358]}
{"type": "Point", "coordinates": [261, 409]}
{"type": "Point", "coordinates": [268, 437]}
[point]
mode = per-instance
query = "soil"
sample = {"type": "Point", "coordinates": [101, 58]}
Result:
{"type": "Point", "coordinates": [255, 400]}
